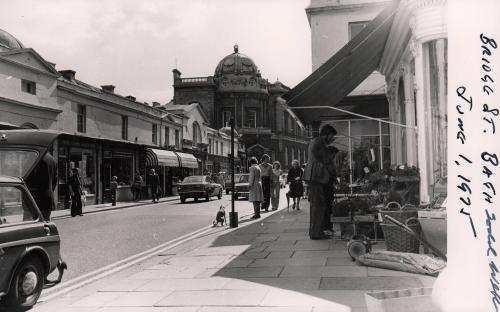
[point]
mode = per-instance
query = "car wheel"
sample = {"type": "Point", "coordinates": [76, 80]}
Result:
{"type": "Point", "coordinates": [196, 199]}
{"type": "Point", "coordinates": [183, 200]}
{"type": "Point", "coordinates": [27, 285]}
{"type": "Point", "coordinates": [220, 194]}
{"type": "Point", "coordinates": [207, 197]}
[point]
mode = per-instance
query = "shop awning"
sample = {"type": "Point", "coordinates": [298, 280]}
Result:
{"type": "Point", "coordinates": [156, 157]}
{"type": "Point", "coordinates": [188, 160]}
{"type": "Point", "coordinates": [344, 71]}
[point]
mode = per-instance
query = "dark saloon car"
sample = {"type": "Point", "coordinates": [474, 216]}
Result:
{"type": "Point", "coordinates": [29, 246]}
{"type": "Point", "coordinates": [229, 187]}
{"type": "Point", "coordinates": [242, 187]}
{"type": "Point", "coordinates": [199, 186]}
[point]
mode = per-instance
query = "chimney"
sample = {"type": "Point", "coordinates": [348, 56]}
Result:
{"type": "Point", "coordinates": [68, 74]}
{"type": "Point", "coordinates": [156, 104]}
{"type": "Point", "coordinates": [108, 88]}
{"type": "Point", "coordinates": [177, 74]}
{"type": "Point", "coordinates": [132, 98]}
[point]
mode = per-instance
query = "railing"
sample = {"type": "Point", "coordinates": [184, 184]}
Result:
{"type": "Point", "coordinates": [196, 80]}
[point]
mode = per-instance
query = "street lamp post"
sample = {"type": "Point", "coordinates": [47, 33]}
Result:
{"type": "Point", "coordinates": [233, 215]}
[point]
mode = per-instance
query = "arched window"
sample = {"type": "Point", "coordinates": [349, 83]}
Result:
{"type": "Point", "coordinates": [196, 133]}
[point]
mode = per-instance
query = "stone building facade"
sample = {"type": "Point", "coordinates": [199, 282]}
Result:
{"type": "Point", "coordinates": [238, 91]}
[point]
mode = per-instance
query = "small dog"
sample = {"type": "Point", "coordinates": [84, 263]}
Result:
{"type": "Point", "coordinates": [84, 198]}
{"type": "Point", "coordinates": [220, 218]}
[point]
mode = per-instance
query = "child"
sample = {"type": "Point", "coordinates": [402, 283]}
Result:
{"type": "Point", "coordinates": [114, 186]}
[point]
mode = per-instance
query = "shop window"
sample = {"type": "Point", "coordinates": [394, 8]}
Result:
{"type": "Point", "coordinates": [84, 160]}
{"type": "Point", "coordinates": [122, 166]}
{"type": "Point", "coordinates": [154, 133]}
{"type": "Point", "coordinates": [437, 74]}
{"type": "Point", "coordinates": [81, 119]}
{"type": "Point", "coordinates": [355, 28]}
{"type": "Point", "coordinates": [167, 136]}
{"type": "Point", "coordinates": [125, 127]}
{"type": "Point", "coordinates": [28, 86]}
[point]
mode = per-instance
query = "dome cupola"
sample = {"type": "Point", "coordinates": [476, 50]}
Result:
{"type": "Point", "coordinates": [236, 63]}
{"type": "Point", "coordinates": [8, 41]}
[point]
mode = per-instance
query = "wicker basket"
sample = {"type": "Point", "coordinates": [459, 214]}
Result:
{"type": "Point", "coordinates": [394, 209]}
{"type": "Point", "coordinates": [396, 239]}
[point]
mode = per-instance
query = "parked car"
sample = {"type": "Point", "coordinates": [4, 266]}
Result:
{"type": "Point", "coordinates": [199, 186]}
{"type": "Point", "coordinates": [29, 245]}
{"type": "Point", "coordinates": [242, 188]}
{"type": "Point", "coordinates": [283, 179]}
{"type": "Point", "coordinates": [229, 187]}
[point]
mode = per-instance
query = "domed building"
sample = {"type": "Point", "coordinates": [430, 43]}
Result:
{"type": "Point", "coordinates": [238, 91]}
{"type": "Point", "coordinates": [9, 42]}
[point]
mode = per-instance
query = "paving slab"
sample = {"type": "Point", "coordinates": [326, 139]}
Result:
{"type": "Point", "coordinates": [149, 309]}
{"type": "Point", "coordinates": [97, 299]}
{"type": "Point", "coordinates": [312, 271]}
{"type": "Point", "coordinates": [290, 283]}
{"type": "Point", "coordinates": [345, 297]}
{"type": "Point", "coordinates": [255, 309]}
{"type": "Point", "coordinates": [138, 299]}
{"type": "Point", "coordinates": [369, 283]}
{"type": "Point", "coordinates": [279, 297]}
{"type": "Point", "coordinates": [280, 254]}
{"type": "Point", "coordinates": [214, 297]}
{"type": "Point", "coordinates": [288, 262]}
{"type": "Point", "coordinates": [218, 251]}
{"type": "Point", "coordinates": [250, 272]}
{"type": "Point", "coordinates": [339, 261]}
{"type": "Point", "coordinates": [184, 284]}
{"type": "Point", "coordinates": [169, 272]}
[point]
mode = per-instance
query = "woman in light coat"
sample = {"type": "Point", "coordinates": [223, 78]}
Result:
{"type": "Point", "coordinates": [275, 185]}
{"type": "Point", "coordinates": [256, 195]}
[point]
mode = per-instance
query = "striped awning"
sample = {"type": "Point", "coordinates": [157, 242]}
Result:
{"type": "Point", "coordinates": [156, 157]}
{"type": "Point", "coordinates": [188, 160]}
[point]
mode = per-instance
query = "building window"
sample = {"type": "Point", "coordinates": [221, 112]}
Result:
{"type": "Point", "coordinates": [177, 142]}
{"type": "Point", "coordinates": [154, 134]}
{"type": "Point", "coordinates": [226, 116]}
{"type": "Point", "coordinates": [216, 148]}
{"type": "Point", "coordinates": [28, 86]}
{"type": "Point", "coordinates": [210, 146]}
{"type": "Point", "coordinates": [196, 133]}
{"type": "Point", "coordinates": [252, 118]}
{"type": "Point", "coordinates": [355, 28]}
{"type": "Point", "coordinates": [125, 127]}
{"type": "Point", "coordinates": [81, 119]}
{"type": "Point", "coordinates": [167, 136]}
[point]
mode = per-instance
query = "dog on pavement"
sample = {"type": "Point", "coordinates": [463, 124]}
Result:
{"type": "Point", "coordinates": [220, 218]}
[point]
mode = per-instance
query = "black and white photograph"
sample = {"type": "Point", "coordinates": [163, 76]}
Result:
{"type": "Point", "coordinates": [249, 156]}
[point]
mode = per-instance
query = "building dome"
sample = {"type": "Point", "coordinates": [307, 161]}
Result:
{"type": "Point", "coordinates": [236, 63]}
{"type": "Point", "coordinates": [9, 41]}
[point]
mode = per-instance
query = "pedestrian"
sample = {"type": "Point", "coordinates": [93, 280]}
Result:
{"type": "Point", "coordinates": [275, 185]}
{"type": "Point", "coordinates": [266, 171]}
{"type": "Point", "coordinates": [329, 188]}
{"type": "Point", "coordinates": [75, 191]}
{"type": "Point", "coordinates": [256, 195]}
{"type": "Point", "coordinates": [42, 183]}
{"type": "Point", "coordinates": [137, 186]}
{"type": "Point", "coordinates": [295, 179]}
{"type": "Point", "coordinates": [114, 188]}
{"type": "Point", "coordinates": [317, 175]}
{"type": "Point", "coordinates": [154, 184]}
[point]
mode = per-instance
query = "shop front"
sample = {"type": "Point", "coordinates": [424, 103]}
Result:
{"type": "Point", "coordinates": [167, 166]}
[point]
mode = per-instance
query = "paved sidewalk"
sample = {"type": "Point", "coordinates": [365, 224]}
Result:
{"type": "Point", "coordinates": [64, 213]}
{"type": "Point", "coordinates": [267, 265]}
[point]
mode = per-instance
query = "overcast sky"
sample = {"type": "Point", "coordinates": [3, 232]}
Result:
{"type": "Point", "coordinates": [134, 44]}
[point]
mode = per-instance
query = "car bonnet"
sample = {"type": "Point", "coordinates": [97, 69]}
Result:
{"type": "Point", "coordinates": [37, 141]}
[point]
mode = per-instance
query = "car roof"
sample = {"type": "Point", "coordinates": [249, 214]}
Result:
{"type": "Point", "coordinates": [9, 179]}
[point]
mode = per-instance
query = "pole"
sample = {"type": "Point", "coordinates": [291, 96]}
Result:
{"type": "Point", "coordinates": [233, 216]}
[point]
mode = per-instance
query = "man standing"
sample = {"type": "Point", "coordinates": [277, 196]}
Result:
{"type": "Point", "coordinates": [42, 183]}
{"type": "Point", "coordinates": [154, 183]}
{"type": "Point", "coordinates": [266, 172]}
{"type": "Point", "coordinates": [75, 190]}
{"type": "Point", "coordinates": [317, 175]}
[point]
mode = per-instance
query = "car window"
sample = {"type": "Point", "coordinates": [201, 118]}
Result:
{"type": "Point", "coordinates": [193, 179]}
{"type": "Point", "coordinates": [16, 163]}
{"type": "Point", "coordinates": [244, 179]}
{"type": "Point", "coordinates": [15, 206]}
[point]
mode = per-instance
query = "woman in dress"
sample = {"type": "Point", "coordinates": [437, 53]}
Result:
{"type": "Point", "coordinates": [296, 188]}
{"type": "Point", "coordinates": [255, 187]}
{"type": "Point", "coordinates": [275, 185]}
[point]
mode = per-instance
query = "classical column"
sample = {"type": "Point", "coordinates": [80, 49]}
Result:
{"type": "Point", "coordinates": [423, 162]}
{"type": "Point", "coordinates": [411, 137]}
